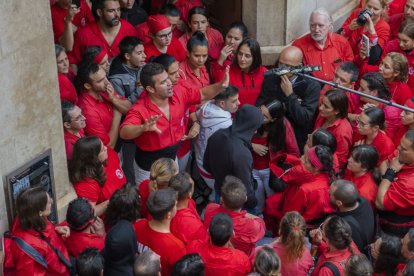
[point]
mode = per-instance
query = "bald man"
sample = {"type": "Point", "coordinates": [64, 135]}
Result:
{"type": "Point", "coordinates": [299, 95]}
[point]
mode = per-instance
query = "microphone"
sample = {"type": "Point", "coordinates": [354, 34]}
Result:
{"type": "Point", "coordinates": [282, 70]}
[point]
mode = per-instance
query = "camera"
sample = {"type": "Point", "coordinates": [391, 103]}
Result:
{"type": "Point", "coordinates": [361, 20]}
{"type": "Point", "coordinates": [283, 70]}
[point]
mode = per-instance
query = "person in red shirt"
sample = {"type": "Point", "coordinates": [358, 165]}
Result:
{"type": "Point", "coordinates": [86, 230]}
{"type": "Point", "coordinates": [33, 206]}
{"type": "Point", "coordinates": [248, 229]}
{"type": "Point", "coordinates": [404, 45]}
{"type": "Point", "coordinates": [371, 126]}
{"type": "Point", "coordinates": [162, 39]}
{"type": "Point", "coordinates": [395, 192]}
{"type": "Point", "coordinates": [246, 72]}
{"type": "Point", "coordinates": [398, 19]}
{"type": "Point", "coordinates": [322, 47]}
{"type": "Point", "coordinates": [361, 170]}
{"type": "Point", "coordinates": [73, 125]}
{"type": "Point", "coordinates": [67, 18]}
{"type": "Point", "coordinates": [186, 224]}
{"type": "Point", "coordinates": [407, 120]}
{"type": "Point", "coordinates": [376, 29]}
{"type": "Point", "coordinates": [95, 54]}
{"type": "Point", "coordinates": [332, 116]}
{"type": "Point", "coordinates": [333, 239]}
{"type": "Point", "coordinates": [107, 15]}
{"type": "Point", "coordinates": [95, 172]}
{"type": "Point", "coordinates": [218, 255]}
{"type": "Point", "coordinates": [156, 234]}
{"type": "Point", "coordinates": [198, 21]}
{"type": "Point", "coordinates": [407, 249]}
{"type": "Point", "coordinates": [267, 262]}
{"type": "Point", "coordinates": [66, 88]}
{"type": "Point", "coordinates": [159, 116]}
{"type": "Point", "coordinates": [100, 103]}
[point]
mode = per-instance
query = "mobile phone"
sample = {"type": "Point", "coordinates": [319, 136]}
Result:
{"type": "Point", "coordinates": [76, 3]}
{"type": "Point", "coordinates": [365, 42]}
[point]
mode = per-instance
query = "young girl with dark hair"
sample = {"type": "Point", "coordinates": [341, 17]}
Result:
{"type": "Point", "coordinates": [234, 36]}
{"type": "Point", "coordinates": [361, 170]}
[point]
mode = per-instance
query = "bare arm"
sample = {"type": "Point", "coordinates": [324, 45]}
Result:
{"type": "Point", "coordinates": [114, 131]}
{"type": "Point", "coordinates": [100, 208]}
{"type": "Point", "coordinates": [209, 92]}
{"type": "Point", "coordinates": [66, 40]}
{"type": "Point", "coordinates": [133, 131]}
{"type": "Point", "coordinates": [123, 105]}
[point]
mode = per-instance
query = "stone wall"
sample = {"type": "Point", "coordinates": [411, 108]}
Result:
{"type": "Point", "coordinates": [30, 106]}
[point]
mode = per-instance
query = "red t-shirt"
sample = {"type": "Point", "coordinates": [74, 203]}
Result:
{"type": "Point", "coordinates": [144, 192]}
{"type": "Point", "coordinates": [247, 231]}
{"type": "Point", "coordinates": [175, 49]}
{"type": "Point", "coordinates": [341, 129]}
{"type": "Point", "coordinates": [187, 74]}
{"type": "Point", "coordinates": [187, 226]}
{"type": "Point", "coordinates": [172, 129]}
{"type": "Point", "coordinates": [366, 186]}
{"type": "Point", "coordinates": [70, 140]}
{"type": "Point", "coordinates": [77, 242]}
{"type": "Point", "coordinates": [98, 115]}
{"type": "Point", "coordinates": [215, 42]}
{"type": "Point", "coordinates": [382, 33]}
{"type": "Point", "coordinates": [115, 179]}
{"type": "Point", "coordinates": [395, 22]}
{"type": "Point", "coordinates": [383, 144]}
{"type": "Point", "coordinates": [220, 261]}
{"type": "Point", "coordinates": [168, 246]}
{"type": "Point", "coordinates": [83, 17]}
{"type": "Point", "coordinates": [336, 51]}
{"type": "Point", "coordinates": [143, 33]}
{"type": "Point", "coordinates": [184, 6]}
{"type": "Point", "coordinates": [91, 35]}
{"type": "Point", "coordinates": [66, 89]}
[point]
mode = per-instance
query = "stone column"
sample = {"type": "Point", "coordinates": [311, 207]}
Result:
{"type": "Point", "coordinates": [30, 120]}
{"type": "Point", "coordinates": [276, 23]}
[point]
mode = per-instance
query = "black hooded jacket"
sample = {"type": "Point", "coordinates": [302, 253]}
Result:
{"type": "Point", "coordinates": [228, 151]}
{"type": "Point", "coordinates": [120, 249]}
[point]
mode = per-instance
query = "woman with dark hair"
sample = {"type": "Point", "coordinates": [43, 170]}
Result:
{"type": "Point", "coordinates": [198, 21]}
{"type": "Point", "coordinates": [334, 241]}
{"type": "Point", "coordinates": [291, 245]}
{"type": "Point", "coordinates": [234, 36]}
{"type": "Point", "coordinates": [387, 255]}
{"type": "Point", "coordinates": [358, 265]}
{"type": "Point", "coordinates": [95, 172]}
{"type": "Point", "coordinates": [171, 66]}
{"type": "Point", "coordinates": [404, 45]}
{"type": "Point", "coordinates": [407, 121]}
{"type": "Point", "coordinates": [33, 206]}
{"type": "Point", "coordinates": [274, 137]}
{"type": "Point", "coordinates": [362, 171]}
{"type": "Point", "coordinates": [310, 197]}
{"type": "Point", "coordinates": [375, 85]}
{"type": "Point", "coordinates": [371, 124]}
{"type": "Point", "coordinates": [246, 71]}
{"type": "Point", "coordinates": [65, 76]}
{"type": "Point", "coordinates": [333, 113]}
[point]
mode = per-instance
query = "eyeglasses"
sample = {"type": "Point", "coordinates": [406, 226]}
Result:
{"type": "Point", "coordinates": [165, 36]}
{"type": "Point", "coordinates": [362, 124]}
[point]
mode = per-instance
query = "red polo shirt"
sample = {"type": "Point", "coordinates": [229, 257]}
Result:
{"type": "Point", "coordinates": [247, 231]}
{"type": "Point", "coordinates": [384, 146]}
{"type": "Point", "coordinates": [83, 17]}
{"type": "Point", "coordinates": [220, 261]}
{"type": "Point", "coordinates": [66, 89]}
{"type": "Point", "coordinates": [215, 42]}
{"type": "Point", "coordinates": [342, 130]}
{"type": "Point", "coordinates": [187, 74]}
{"type": "Point", "coordinates": [395, 22]}
{"type": "Point", "coordinates": [400, 196]}
{"type": "Point", "coordinates": [187, 226]}
{"type": "Point", "coordinates": [382, 33]}
{"type": "Point", "coordinates": [115, 179]}
{"type": "Point", "coordinates": [394, 46]}
{"type": "Point", "coordinates": [98, 114]}
{"type": "Point", "coordinates": [310, 199]}
{"type": "Point", "coordinates": [175, 49]}
{"type": "Point", "coordinates": [184, 6]}
{"type": "Point", "coordinates": [91, 35]}
{"type": "Point", "coordinates": [172, 130]}
{"type": "Point", "coordinates": [77, 242]}
{"type": "Point", "coordinates": [70, 140]}
{"type": "Point", "coordinates": [336, 51]}
{"type": "Point", "coordinates": [168, 246]}
{"type": "Point", "coordinates": [366, 186]}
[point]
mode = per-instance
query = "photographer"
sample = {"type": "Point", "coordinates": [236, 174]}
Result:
{"type": "Point", "coordinates": [368, 21]}
{"type": "Point", "coordinates": [300, 96]}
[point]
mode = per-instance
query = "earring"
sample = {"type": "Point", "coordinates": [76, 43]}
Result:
{"type": "Point", "coordinates": [41, 214]}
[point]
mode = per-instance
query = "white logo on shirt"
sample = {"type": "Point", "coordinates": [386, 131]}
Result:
{"type": "Point", "coordinates": [119, 173]}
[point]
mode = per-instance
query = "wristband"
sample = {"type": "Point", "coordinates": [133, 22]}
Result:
{"type": "Point", "coordinates": [390, 174]}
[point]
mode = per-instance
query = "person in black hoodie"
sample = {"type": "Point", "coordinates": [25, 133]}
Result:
{"type": "Point", "coordinates": [228, 151]}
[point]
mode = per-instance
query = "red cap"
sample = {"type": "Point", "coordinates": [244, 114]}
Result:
{"type": "Point", "coordinates": [157, 23]}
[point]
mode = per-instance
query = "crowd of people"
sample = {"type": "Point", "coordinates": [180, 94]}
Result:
{"type": "Point", "coordinates": [189, 157]}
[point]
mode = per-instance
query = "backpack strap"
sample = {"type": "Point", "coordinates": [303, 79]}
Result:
{"type": "Point", "coordinates": [28, 249]}
{"type": "Point", "coordinates": [332, 267]}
